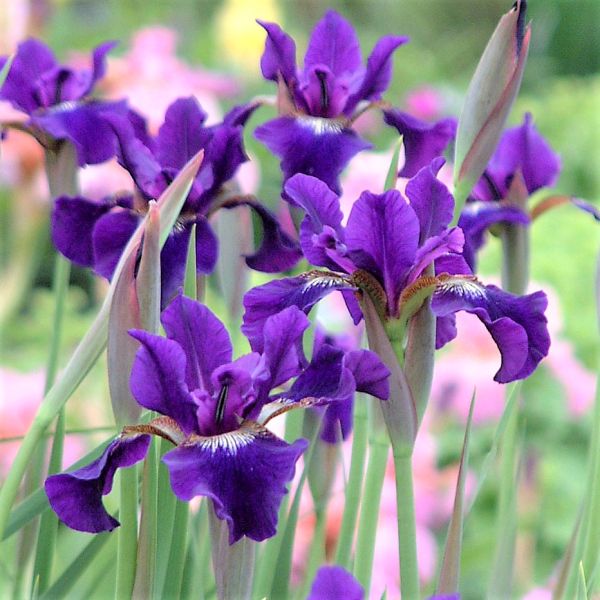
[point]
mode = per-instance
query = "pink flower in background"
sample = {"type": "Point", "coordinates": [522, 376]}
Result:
{"type": "Point", "coordinates": [425, 103]}
{"type": "Point", "coordinates": [20, 396]}
{"type": "Point", "coordinates": [151, 76]}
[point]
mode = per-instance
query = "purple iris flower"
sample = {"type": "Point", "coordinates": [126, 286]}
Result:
{"type": "Point", "coordinates": [333, 582]}
{"type": "Point", "coordinates": [94, 234]}
{"type": "Point", "coordinates": [422, 141]}
{"type": "Point", "coordinates": [318, 104]}
{"type": "Point", "coordinates": [521, 153]}
{"type": "Point", "coordinates": [214, 412]}
{"type": "Point", "coordinates": [59, 100]}
{"type": "Point", "coordinates": [400, 253]}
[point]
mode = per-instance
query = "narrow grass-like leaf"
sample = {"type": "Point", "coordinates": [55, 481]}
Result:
{"type": "Point", "coordinates": [450, 570]}
{"type": "Point", "coordinates": [354, 485]}
{"type": "Point", "coordinates": [581, 584]}
{"type": "Point", "coordinates": [148, 277]}
{"type": "Point", "coordinates": [92, 344]}
{"type": "Point", "coordinates": [69, 577]}
{"type": "Point", "coordinates": [283, 567]}
{"type": "Point", "coordinates": [490, 458]}
{"type": "Point", "coordinates": [391, 178]}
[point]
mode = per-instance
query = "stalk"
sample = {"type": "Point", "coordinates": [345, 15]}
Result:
{"type": "Point", "coordinates": [127, 549]}
{"type": "Point", "coordinates": [367, 525]}
{"type": "Point", "coordinates": [353, 488]}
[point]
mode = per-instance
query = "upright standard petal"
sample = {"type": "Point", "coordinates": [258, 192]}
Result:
{"type": "Point", "coordinates": [382, 236]}
{"type": "Point", "coordinates": [379, 72]}
{"type": "Point", "coordinates": [523, 148]}
{"type": "Point", "coordinates": [333, 43]}
{"type": "Point", "coordinates": [182, 134]}
{"type": "Point", "coordinates": [158, 379]}
{"type": "Point", "coordinates": [321, 232]}
{"type": "Point", "coordinates": [431, 200]}
{"type": "Point", "coordinates": [76, 497]}
{"type": "Point", "coordinates": [333, 582]}
{"type": "Point", "coordinates": [20, 88]}
{"type": "Point", "coordinates": [517, 323]}
{"type": "Point", "coordinates": [282, 344]}
{"type": "Point", "coordinates": [303, 291]}
{"type": "Point", "coordinates": [243, 472]}
{"type": "Point", "coordinates": [279, 56]}
{"type": "Point", "coordinates": [422, 141]}
{"type": "Point", "coordinates": [202, 337]}
{"type": "Point", "coordinates": [311, 145]}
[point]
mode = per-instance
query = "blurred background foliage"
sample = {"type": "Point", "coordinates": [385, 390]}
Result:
{"type": "Point", "coordinates": [561, 88]}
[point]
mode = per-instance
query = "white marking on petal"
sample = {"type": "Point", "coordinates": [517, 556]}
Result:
{"type": "Point", "coordinates": [319, 125]}
{"type": "Point", "coordinates": [462, 287]}
{"type": "Point", "coordinates": [230, 442]}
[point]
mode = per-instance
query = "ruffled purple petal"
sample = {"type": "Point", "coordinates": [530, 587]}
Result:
{"type": "Point", "coordinates": [311, 145]}
{"type": "Point", "coordinates": [370, 374]}
{"type": "Point", "coordinates": [202, 337]}
{"type": "Point", "coordinates": [265, 300]}
{"type": "Point", "coordinates": [109, 238]}
{"type": "Point", "coordinates": [422, 141]}
{"type": "Point", "coordinates": [382, 236]}
{"type": "Point", "coordinates": [182, 134]}
{"type": "Point", "coordinates": [76, 497]}
{"type": "Point", "coordinates": [85, 127]}
{"type": "Point", "coordinates": [279, 55]}
{"type": "Point", "coordinates": [379, 72]}
{"type": "Point", "coordinates": [98, 65]}
{"type": "Point", "coordinates": [135, 156]}
{"type": "Point", "coordinates": [72, 222]}
{"type": "Point", "coordinates": [477, 217]}
{"type": "Point", "coordinates": [431, 200]}
{"type": "Point", "coordinates": [333, 583]}
{"type": "Point", "coordinates": [158, 379]}
{"type": "Point", "coordinates": [277, 251]}
{"type": "Point", "coordinates": [517, 323]}
{"type": "Point", "coordinates": [32, 60]}
{"type": "Point", "coordinates": [243, 472]}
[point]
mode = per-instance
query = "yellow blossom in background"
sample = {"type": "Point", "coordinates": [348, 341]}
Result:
{"type": "Point", "coordinates": [241, 40]}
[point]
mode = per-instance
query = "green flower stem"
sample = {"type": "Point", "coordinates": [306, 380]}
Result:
{"type": "Point", "coordinates": [407, 536]}
{"type": "Point", "coordinates": [172, 587]}
{"type": "Point", "coordinates": [367, 525]}
{"type": "Point", "coordinates": [146, 551]}
{"type": "Point", "coordinates": [506, 519]}
{"type": "Point", "coordinates": [127, 549]}
{"type": "Point", "coordinates": [353, 487]}
{"type": "Point", "coordinates": [61, 171]}
{"type": "Point", "coordinates": [316, 554]}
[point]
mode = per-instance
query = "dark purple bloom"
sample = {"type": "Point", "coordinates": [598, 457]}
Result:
{"type": "Point", "coordinates": [59, 100]}
{"type": "Point", "coordinates": [214, 411]}
{"type": "Point", "coordinates": [401, 253]}
{"type": "Point", "coordinates": [522, 152]}
{"type": "Point", "coordinates": [313, 135]}
{"type": "Point", "coordinates": [422, 141]}
{"type": "Point", "coordinates": [333, 582]}
{"type": "Point", "coordinates": [76, 497]}
{"type": "Point", "coordinates": [94, 234]}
